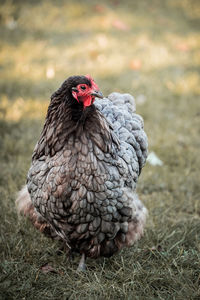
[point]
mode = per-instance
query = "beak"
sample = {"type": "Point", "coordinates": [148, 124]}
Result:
{"type": "Point", "coordinates": [97, 94]}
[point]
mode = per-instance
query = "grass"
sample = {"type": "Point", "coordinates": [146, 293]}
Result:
{"type": "Point", "coordinates": [149, 49]}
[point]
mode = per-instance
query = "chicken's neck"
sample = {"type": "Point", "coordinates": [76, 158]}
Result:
{"type": "Point", "coordinates": [65, 120]}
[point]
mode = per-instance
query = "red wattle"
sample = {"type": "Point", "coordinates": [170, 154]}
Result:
{"type": "Point", "coordinates": [88, 101]}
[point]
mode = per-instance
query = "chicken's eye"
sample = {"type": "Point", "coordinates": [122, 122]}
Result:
{"type": "Point", "coordinates": [83, 87]}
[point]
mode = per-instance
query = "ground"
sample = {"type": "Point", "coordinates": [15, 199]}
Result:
{"type": "Point", "coordinates": [150, 49]}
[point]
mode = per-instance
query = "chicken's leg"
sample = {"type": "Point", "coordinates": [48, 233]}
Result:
{"type": "Point", "coordinates": [82, 266]}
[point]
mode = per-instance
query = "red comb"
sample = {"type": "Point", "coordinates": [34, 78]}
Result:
{"type": "Point", "coordinates": [89, 77]}
{"type": "Point", "coordinates": [94, 85]}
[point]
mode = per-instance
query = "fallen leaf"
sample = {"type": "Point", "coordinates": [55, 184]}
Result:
{"type": "Point", "coordinates": [115, 2]}
{"type": "Point", "coordinates": [93, 54]}
{"type": "Point", "coordinates": [99, 8]}
{"type": "Point", "coordinates": [135, 64]}
{"type": "Point", "coordinates": [156, 248]}
{"type": "Point", "coordinates": [47, 268]}
{"type": "Point", "coordinates": [182, 47]}
{"type": "Point", "coordinates": [120, 25]}
{"type": "Point", "coordinates": [153, 159]}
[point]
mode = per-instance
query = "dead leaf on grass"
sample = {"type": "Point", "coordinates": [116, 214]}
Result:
{"type": "Point", "coordinates": [120, 25]}
{"type": "Point", "coordinates": [182, 47]}
{"type": "Point", "coordinates": [135, 64]}
{"type": "Point", "coordinates": [47, 268]}
{"type": "Point", "coordinates": [99, 8]}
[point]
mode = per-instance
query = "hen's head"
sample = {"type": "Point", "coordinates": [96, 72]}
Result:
{"type": "Point", "coordinates": [83, 89]}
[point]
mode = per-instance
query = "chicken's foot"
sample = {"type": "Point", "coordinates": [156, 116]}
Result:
{"type": "Point", "coordinates": [82, 265]}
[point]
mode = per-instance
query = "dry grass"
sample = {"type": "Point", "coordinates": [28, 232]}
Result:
{"type": "Point", "coordinates": [149, 49]}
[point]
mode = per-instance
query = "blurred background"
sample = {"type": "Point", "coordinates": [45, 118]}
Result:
{"type": "Point", "coordinates": [150, 49]}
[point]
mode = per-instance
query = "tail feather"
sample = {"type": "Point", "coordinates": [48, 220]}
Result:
{"type": "Point", "coordinates": [23, 201]}
{"type": "Point", "coordinates": [25, 207]}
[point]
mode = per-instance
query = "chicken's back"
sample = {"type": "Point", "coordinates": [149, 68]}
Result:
{"type": "Point", "coordinates": [119, 110]}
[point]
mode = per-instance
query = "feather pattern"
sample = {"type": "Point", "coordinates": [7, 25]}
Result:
{"type": "Point", "coordinates": [84, 171]}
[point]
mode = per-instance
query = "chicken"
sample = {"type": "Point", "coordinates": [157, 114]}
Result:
{"type": "Point", "coordinates": [81, 186]}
